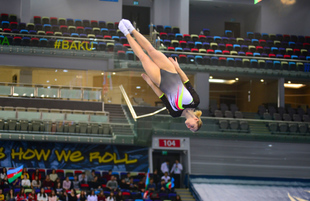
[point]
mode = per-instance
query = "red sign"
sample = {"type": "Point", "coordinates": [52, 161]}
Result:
{"type": "Point", "coordinates": [169, 143]}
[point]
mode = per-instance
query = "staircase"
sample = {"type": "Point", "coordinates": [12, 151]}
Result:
{"type": "Point", "coordinates": [117, 115]}
{"type": "Point", "coordinates": [185, 194]}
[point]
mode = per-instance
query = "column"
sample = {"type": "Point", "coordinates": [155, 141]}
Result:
{"type": "Point", "coordinates": [281, 92]}
{"type": "Point", "coordinates": [25, 11]}
{"type": "Point", "coordinates": [202, 87]}
{"type": "Point", "coordinates": [25, 76]}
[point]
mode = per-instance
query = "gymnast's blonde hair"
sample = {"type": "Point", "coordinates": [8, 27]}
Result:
{"type": "Point", "coordinates": [198, 114]}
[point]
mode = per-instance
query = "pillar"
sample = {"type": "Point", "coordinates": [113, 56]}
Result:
{"type": "Point", "coordinates": [202, 87]}
{"type": "Point", "coordinates": [281, 92]}
{"type": "Point", "coordinates": [25, 76]}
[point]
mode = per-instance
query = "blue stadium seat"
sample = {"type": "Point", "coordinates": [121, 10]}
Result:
{"type": "Point", "coordinates": [250, 35]}
{"type": "Point", "coordinates": [230, 62]}
{"type": "Point", "coordinates": [256, 54]}
{"type": "Point", "coordinates": [276, 64]}
{"type": "Point", "coordinates": [178, 49]}
{"type": "Point", "coordinates": [198, 44]}
{"type": "Point", "coordinates": [254, 63]}
{"type": "Point", "coordinates": [199, 59]}
{"type": "Point", "coordinates": [228, 33]}
{"type": "Point", "coordinates": [292, 65]}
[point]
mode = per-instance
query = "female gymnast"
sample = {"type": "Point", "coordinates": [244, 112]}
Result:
{"type": "Point", "coordinates": [166, 78]}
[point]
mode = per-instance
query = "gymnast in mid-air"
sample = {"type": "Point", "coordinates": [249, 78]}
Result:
{"type": "Point", "coordinates": [165, 77]}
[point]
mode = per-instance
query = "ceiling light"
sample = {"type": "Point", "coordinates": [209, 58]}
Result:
{"type": "Point", "coordinates": [289, 82]}
{"type": "Point", "coordinates": [113, 73]}
{"type": "Point", "coordinates": [65, 71]}
{"type": "Point", "coordinates": [211, 77]}
{"type": "Point", "coordinates": [237, 79]}
{"type": "Point", "coordinates": [261, 80]}
{"type": "Point", "coordinates": [102, 73]}
{"type": "Point", "coordinates": [221, 81]}
{"type": "Point", "coordinates": [293, 86]}
{"type": "Point", "coordinates": [138, 87]}
{"type": "Point", "coordinates": [47, 81]}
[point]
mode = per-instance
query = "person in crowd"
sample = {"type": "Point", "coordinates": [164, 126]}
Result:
{"type": "Point", "coordinates": [132, 185]}
{"type": "Point", "coordinates": [165, 167]}
{"type": "Point", "coordinates": [36, 173]}
{"type": "Point", "coordinates": [58, 188]}
{"type": "Point", "coordinates": [127, 178]}
{"type": "Point", "coordinates": [24, 173]}
{"type": "Point", "coordinates": [95, 184]}
{"type": "Point", "coordinates": [42, 196]}
{"type": "Point", "coordinates": [109, 175]}
{"type": "Point", "coordinates": [26, 182]}
{"type": "Point", "coordinates": [83, 178]}
{"type": "Point", "coordinates": [10, 196]}
{"type": "Point", "coordinates": [76, 183]}
{"type": "Point", "coordinates": [162, 186]}
{"type": "Point", "coordinates": [2, 198]}
{"type": "Point", "coordinates": [4, 183]}
{"type": "Point", "coordinates": [48, 183]}
{"type": "Point", "coordinates": [36, 183]}
{"type": "Point", "coordinates": [101, 196]}
{"type": "Point", "coordinates": [119, 196]}
{"type": "Point", "coordinates": [141, 185]}
{"type": "Point", "coordinates": [83, 196]}
{"type": "Point", "coordinates": [56, 182]}
{"type": "Point", "coordinates": [151, 186]}
{"type": "Point", "coordinates": [177, 198]}
{"type": "Point", "coordinates": [176, 170]}
{"type": "Point", "coordinates": [32, 196]}
{"type": "Point", "coordinates": [16, 183]}
{"type": "Point", "coordinates": [112, 184]}
{"type": "Point", "coordinates": [4, 173]}
{"type": "Point", "coordinates": [91, 176]}
{"type": "Point", "coordinates": [156, 177]}
{"type": "Point", "coordinates": [63, 196]}
{"type": "Point", "coordinates": [52, 196]}
{"type": "Point", "coordinates": [72, 196]}
{"type": "Point", "coordinates": [53, 175]}
{"type": "Point", "coordinates": [123, 184]}
{"type": "Point", "coordinates": [92, 196]}
{"type": "Point", "coordinates": [165, 177]}
{"type": "Point", "coordinates": [111, 197]}
{"type": "Point", "coordinates": [66, 184]}
{"type": "Point", "coordinates": [21, 196]}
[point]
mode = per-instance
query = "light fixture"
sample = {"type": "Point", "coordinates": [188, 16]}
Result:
{"type": "Point", "coordinates": [47, 81]}
{"type": "Point", "coordinates": [56, 71]}
{"type": "Point", "coordinates": [211, 77]}
{"type": "Point", "coordinates": [237, 79]}
{"type": "Point", "coordinates": [113, 73]}
{"type": "Point", "coordinates": [102, 73]}
{"type": "Point", "coordinates": [221, 81]}
{"type": "Point", "coordinates": [289, 82]}
{"type": "Point", "coordinates": [65, 71]}
{"type": "Point", "coordinates": [261, 80]}
{"type": "Point", "coordinates": [293, 86]}
{"type": "Point", "coordinates": [138, 87]}
{"type": "Point", "coordinates": [55, 79]}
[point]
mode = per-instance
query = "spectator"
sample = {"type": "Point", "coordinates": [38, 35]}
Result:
{"type": "Point", "coordinates": [164, 167]}
{"type": "Point", "coordinates": [52, 196]}
{"type": "Point", "coordinates": [42, 196]}
{"type": "Point", "coordinates": [4, 173]}
{"type": "Point", "coordinates": [151, 186]}
{"type": "Point", "coordinates": [16, 183]}
{"type": "Point", "coordinates": [63, 196]}
{"type": "Point", "coordinates": [109, 175]}
{"type": "Point", "coordinates": [132, 185]}
{"type": "Point", "coordinates": [24, 174]}
{"type": "Point", "coordinates": [123, 184]}
{"type": "Point", "coordinates": [177, 198]}
{"type": "Point", "coordinates": [111, 197]}
{"type": "Point", "coordinates": [95, 184]}
{"type": "Point", "coordinates": [10, 196]}
{"type": "Point", "coordinates": [92, 176]}
{"type": "Point", "coordinates": [92, 196]}
{"type": "Point", "coordinates": [112, 184]}
{"type": "Point", "coordinates": [53, 175]}
{"type": "Point", "coordinates": [59, 189]}
{"type": "Point", "coordinates": [127, 178]}
{"type": "Point", "coordinates": [83, 196]}
{"type": "Point", "coordinates": [72, 196]}
{"type": "Point", "coordinates": [32, 196]}
{"type": "Point", "coordinates": [162, 186]}
{"type": "Point", "coordinates": [57, 181]}
{"type": "Point", "coordinates": [4, 183]}
{"type": "Point", "coordinates": [66, 184]}
{"type": "Point", "coordinates": [156, 177]}
{"type": "Point", "coordinates": [36, 173]}
{"type": "Point", "coordinates": [177, 170]}
{"type": "Point", "coordinates": [36, 183]}
{"type": "Point", "coordinates": [47, 183]}
{"type": "Point", "coordinates": [119, 196]}
{"type": "Point", "coordinates": [83, 178]}
{"type": "Point", "coordinates": [21, 196]}
{"type": "Point", "coordinates": [26, 182]}
{"type": "Point", "coordinates": [76, 183]}
{"type": "Point", "coordinates": [141, 185]}
{"type": "Point", "coordinates": [101, 196]}
{"type": "Point", "coordinates": [165, 177]}
{"type": "Point", "coordinates": [2, 198]}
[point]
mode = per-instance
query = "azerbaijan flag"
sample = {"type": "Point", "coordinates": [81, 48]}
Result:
{"type": "Point", "coordinates": [14, 173]}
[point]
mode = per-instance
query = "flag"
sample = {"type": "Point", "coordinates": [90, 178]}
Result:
{"type": "Point", "coordinates": [145, 194]}
{"type": "Point", "coordinates": [170, 184]}
{"type": "Point", "coordinates": [14, 173]}
{"type": "Point", "coordinates": [147, 181]}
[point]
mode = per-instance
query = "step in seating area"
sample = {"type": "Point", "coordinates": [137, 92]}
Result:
{"type": "Point", "coordinates": [295, 121]}
{"type": "Point", "coordinates": [42, 120]}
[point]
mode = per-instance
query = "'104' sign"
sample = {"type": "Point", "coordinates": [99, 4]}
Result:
{"type": "Point", "coordinates": [169, 143]}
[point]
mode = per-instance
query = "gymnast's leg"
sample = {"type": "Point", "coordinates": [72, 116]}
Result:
{"type": "Point", "coordinates": [158, 57]}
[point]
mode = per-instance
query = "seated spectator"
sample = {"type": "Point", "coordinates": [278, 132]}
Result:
{"type": "Point", "coordinates": [16, 183]}
{"type": "Point", "coordinates": [177, 198]}
{"type": "Point", "coordinates": [119, 196]}
{"type": "Point", "coordinates": [151, 186]}
{"type": "Point", "coordinates": [132, 185]}
{"type": "Point", "coordinates": [4, 183]}
{"type": "Point", "coordinates": [109, 175]}
{"type": "Point", "coordinates": [58, 189]}
{"type": "Point", "coordinates": [83, 196]}
{"type": "Point", "coordinates": [165, 177]}
{"type": "Point", "coordinates": [101, 196]}
{"type": "Point", "coordinates": [111, 197]}
{"type": "Point", "coordinates": [112, 184]}
{"type": "Point", "coordinates": [92, 196]}
{"type": "Point", "coordinates": [91, 176]}
{"type": "Point", "coordinates": [52, 196]}
{"type": "Point", "coordinates": [2, 198]}
{"type": "Point", "coordinates": [53, 175]}
{"type": "Point", "coordinates": [26, 182]}
{"type": "Point", "coordinates": [95, 184]}
{"type": "Point", "coordinates": [57, 181]}
{"type": "Point", "coordinates": [21, 196]}
{"type": "Point", "coordinates": [42, 196]}
{"type": "Point", "coordinates": [4, 173]}
{"type": "Point", "coordinates": [72, 196]}
{"type": "Point", "coordinates": [123, 184]}
{"type": "Point", "coordinates": [156, 177]}
{"type": "Point", "coordinates": [63, 196]}
{"type": "Point", "coordinates": [24, 174]}
{"type": "Point", "coordinates": [127, 178]}
{"type": "Point", "coordinates": [83, 178]}
{"type": "Point", "coordinates": [76, 183]}
{"type": "Point", "coordinates": [141, 185]}
{"type": "Point", "coordinates": [36, 173]}
{"type": "Point", "coordinates": [66, 184]}
{"type": "Point", "coordinates": [10, 196]}
{"type": "Point", "coordinates": [36, 183]}
{"type": "Point", "coordinates": [32, 196]}
{"type": "Point", "coordinates": [47, 183]}
{"type": "Point", "coordinates": [162, 186]}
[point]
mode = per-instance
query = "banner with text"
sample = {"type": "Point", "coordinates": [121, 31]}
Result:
{"type": "Point", "coordinates": [73, 156]}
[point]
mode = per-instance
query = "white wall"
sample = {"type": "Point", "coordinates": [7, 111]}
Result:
{"type": "Point", "coordinates": [10, 7]}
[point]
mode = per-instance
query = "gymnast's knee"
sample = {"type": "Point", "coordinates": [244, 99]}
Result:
{"type": "Point", "coordinates": [150, 49]}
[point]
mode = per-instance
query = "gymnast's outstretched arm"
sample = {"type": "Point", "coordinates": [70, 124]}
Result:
{"type": "Point", "coordinates": [147, 79]}
{"type": "Point", "coordinates": [182, 75]}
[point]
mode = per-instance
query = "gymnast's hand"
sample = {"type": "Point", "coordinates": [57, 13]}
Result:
{"type": "Point", "coordinates": [175, 63]}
